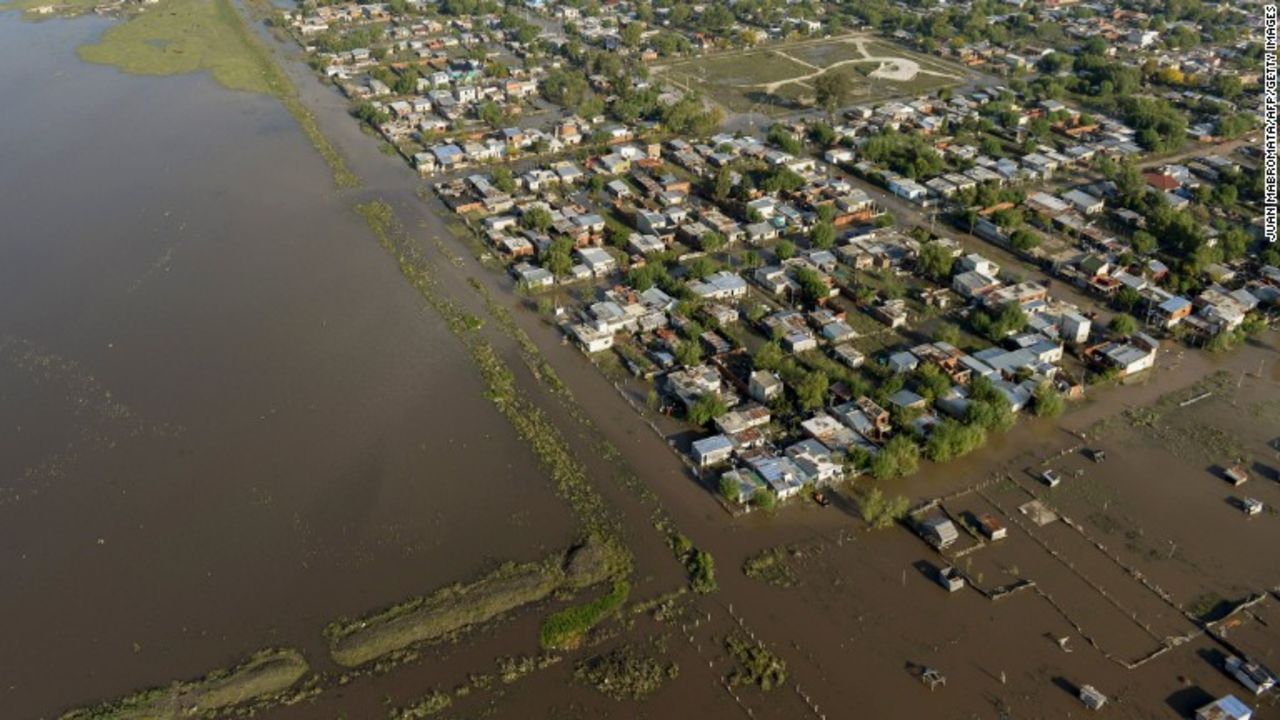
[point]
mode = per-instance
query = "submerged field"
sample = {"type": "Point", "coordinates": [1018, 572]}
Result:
{"type": "Point", "coordinates": [780, 79]}
{"type": "Point", "coordinates": [176, 37]}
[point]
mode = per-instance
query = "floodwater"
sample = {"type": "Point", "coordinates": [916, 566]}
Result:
{"type": "Point", "coordinates": [227, 419]}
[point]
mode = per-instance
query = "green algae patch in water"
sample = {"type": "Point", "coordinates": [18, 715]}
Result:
{"type": "Point", "coordinates": [265, 675]}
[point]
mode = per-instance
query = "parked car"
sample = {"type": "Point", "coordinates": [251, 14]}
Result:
{"type": "Point", "coordinates": [1051, 478]}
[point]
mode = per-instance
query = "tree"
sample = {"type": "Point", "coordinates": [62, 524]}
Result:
{"type": "Point", "coordinates": [900, 456]}
{"type": "Point", "coordinates": [823, 236]}
{"type": "Point", "coordinates": [951, 439]}
{"type": "Point", "coordinates": [706, 408]}
{"type": "Point", "coordinates": [778, 135]}
{"type": "Point", "coordinates": [822, 134]}
{"type": "Point", "coordinates": [491, 114]}
{"type": "Point", "coordinates": [724, 183]}
{"type": "Point", "coordinates": [712, 242]}
{"type": "Point", "coordinates": [947, 333]}
{"type": "Point", "coordinates": [537, 218]}
{"type": "Point", "coordinates": [785, 250]}
{"type": "Point", "coordinates": [764, 499]}
{"type": "Point", "coordinates": [768, 357]}
{"type": "Point", "coordinates": [689, 354]}
{"type": "Point", "coordinates": [1024, 240]}
{"type": "Point", "coordinates": [503, 180]}
{"type": "Point", "coordinates": [812, 285]}
{"type": "Point", "coordinates": [1123, 324]}
{"type": "Point", "coordinates": [988, 407]}
{"type": "Point", "coordinates": [811, 391]}
{"type": "Point", "coordinates": [880, 512]}
{"type": "Point", "coordinates": [1048, 402]}
{"type": "Point", "coordinates": [729, 489]}
{"type": "Point", "coordinates": [1142, 242]}
{"type": "Point", "coordinates": [832, 90]}
{"type": "Point", "coordinates": [702, 572]}
{"type": "Point", "coordinates": [935, 261]}
{"type": "Point", "coordinates": [557, 259]}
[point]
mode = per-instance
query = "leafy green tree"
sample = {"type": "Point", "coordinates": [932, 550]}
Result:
{"type": "Point", "coordinates": [1123, 324]}
{"type": "Point", "coordinates": [823, 236]}
{"type": "Point", "coordinates": [1048, 401]}
{"type": "Point", "coordinates": [706, 408]}
{"type": "Point", "coordinates": [935, 261]}
{"type": "Point", "coordinates": [899, 457]}
{"type": "Point", "coordinates": [881, 512]}
{"type": "Point", "coordinates": [832, 90]}
{"type": "Point", "coordinates": [811, 391]}
{"type": "Point", "coordinates": [689, 354]}
{"type": "Point", "coordinates": [764, 499]}
{"type": "Point", "coordinates": [537, 218]}
{"type": "Point", "coordinates": [728, 489]}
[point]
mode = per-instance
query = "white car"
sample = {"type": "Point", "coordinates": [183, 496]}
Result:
{"type": "Point", "coordinates": [1051, 478]}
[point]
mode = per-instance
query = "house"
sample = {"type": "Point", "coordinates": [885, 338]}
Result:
{"type": "Point", "coordinates": [532, 277]}
{"type": "Point", "coordinates": [891, 312]}
{"type": "Point", "coordinates": [597, 260]}
{"type": "Point", "coordinates": [745, 483]}
{"type": "Point", "coordinates": [820, 465]}
{"type": "Point", "coordinates": [712, 451]}
{"type": "Point", "coordinates": [1170, 312]}
{"type": "Point", "coordinates": [593, 337]}
{"type": "Point", "coordinates": [830, 432]}
{"type": "Point", "coordinates": [1133, 356]}
{"type": "Point", "coordinates": [1253, 676]}
{"type": "Point", "coordinates": [1225, 708]}
{"type": "Point", "coordinates": [848, 355]}
{"type": "Point", "coordinates": [1074, 327]}
{"type": "Point", "coordinates": [902, 362]}
{"type": "Point", "coordinates": [741, 419]}
{"type": "Point", "coordinates": [782, 475]}
{"type": "Point", "coordinates": [1084, 202]}
{"type": "Point", "coordinates": [723, 285]}
{"type": "Point", "coordinates": [764, 386]}
{"type": "Point", "coordinates": [973, 285]}
{"type": "Point", "coordinates": [908, 189]}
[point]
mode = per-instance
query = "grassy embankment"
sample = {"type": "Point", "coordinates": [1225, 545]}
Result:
{"type": "Point", "coordinates": [186, 36]}
{"type": "Point", "coordinates": [453, 608]}
{"type": "Point", "coordinates": [266, 674]}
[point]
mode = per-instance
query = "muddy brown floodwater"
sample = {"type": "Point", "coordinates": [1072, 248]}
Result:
{"type": "Point", "coordinates": [227, 419]}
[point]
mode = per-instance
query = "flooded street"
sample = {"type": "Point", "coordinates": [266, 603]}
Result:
{"type": "Point", "coordinates": [228, 421]}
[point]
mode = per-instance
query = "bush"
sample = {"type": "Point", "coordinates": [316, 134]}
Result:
{"type": "Point", "coordinates": [900, 456]}
{"type": "Point", "coordinates": [880, 512]}
{"type": "Point", "coordinates": [566, 628]}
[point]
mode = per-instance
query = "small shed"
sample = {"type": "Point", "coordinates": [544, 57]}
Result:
{"type": "Point", "coordinates": [940, 531]}
{"type": "Point", "coordinates": [1236, 475]}
{"type": "Point", "coordinates": [1227, 707]}
{"type": "Point", "coordinates": [950, 578]}
{"type": "Point", "coordinates": [992, 527]}
{"type": "Point", "coordinates": [1091, 698]}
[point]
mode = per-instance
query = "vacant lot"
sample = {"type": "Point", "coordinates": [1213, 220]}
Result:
{"type": "Point", "coordinates": [779, 79]}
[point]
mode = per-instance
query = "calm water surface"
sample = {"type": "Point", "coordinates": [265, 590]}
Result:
{"type": "Point", "coordinates": [227, 420]}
